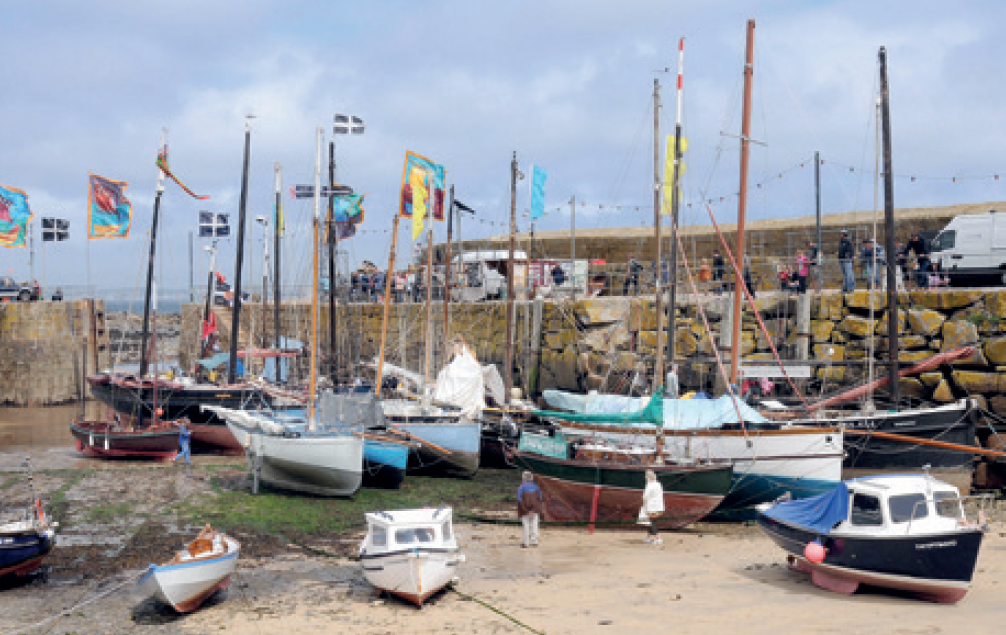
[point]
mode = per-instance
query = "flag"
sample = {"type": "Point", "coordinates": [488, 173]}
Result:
{"type": "Point", "coordinates": [348, 212]}
{"type": "Point", "coordinates": [162, 162]}
{"type": "Point", "coordinates": [109, 212]}
{"type": "Point", "coordinates": [419, 196]}
{"type": "Point", "coordinates": [537, 206]}
{"type": "Point", "coordinates": [55, 229]}
{"type": "Point", "coordinates": [415, 163]}
{"type": "Point", "coordinates": [347, 124]}
{"type": "Point", "coordinates": [669, 172]}
{"type": "Point", "coordinates": [14, 217]}
{"type": "Point", "coordinates": [210, 325]}
{"type": "Point", "coordinates": [214, 225]}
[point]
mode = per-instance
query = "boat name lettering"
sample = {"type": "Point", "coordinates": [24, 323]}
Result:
{"type": "Point", "coordinates": [865, 423]}
{"type": "Point", "coordinates": [937, 545]}
{"type": "Point", "coordinates": [903, 424]}
{"type": "Point", "coordinates": [6, 541]}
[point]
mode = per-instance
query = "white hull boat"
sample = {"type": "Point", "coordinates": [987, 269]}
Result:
{"type": "Point", "coordinates": [410, 553]}
{"type": "Point", "coordinates": [195, 573]}
{"type": "Point", "coordinates": [290, 456]}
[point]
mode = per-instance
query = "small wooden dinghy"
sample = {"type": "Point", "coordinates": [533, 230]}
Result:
{"type": "Point", "coordinates": [195, 573]}
{"type": "Point", "coordinates": [25, 543]}
{"type": "Point", "coordinates": [411, 553]}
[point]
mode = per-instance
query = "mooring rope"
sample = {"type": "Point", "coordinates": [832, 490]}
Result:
{"type": "Point", "coordinates": [495, 610]}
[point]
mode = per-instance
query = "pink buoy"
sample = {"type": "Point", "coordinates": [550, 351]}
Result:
{"type": "Point", "coordinates": [815, 552]}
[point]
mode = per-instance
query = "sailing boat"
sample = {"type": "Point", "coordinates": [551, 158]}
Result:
{"type": "Point", "coordinates": [25, 543]}
{"type": "Point", "coordinates": [895, 439]}
{"type": "Point", "coordinates": [768, 459]}
{"type": "Point", "coordinates": [443, 423]}
{"type": "Point", "coordinates": [302, 453]}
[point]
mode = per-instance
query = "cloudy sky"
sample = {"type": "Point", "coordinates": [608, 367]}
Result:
{"type": "Point", "coordinates": [567, 84]}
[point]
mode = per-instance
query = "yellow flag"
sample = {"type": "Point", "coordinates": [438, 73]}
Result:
{"type": "Point", "coordinates": [669, 172]}
{"type": "Point", "coordinates": [417, 181]}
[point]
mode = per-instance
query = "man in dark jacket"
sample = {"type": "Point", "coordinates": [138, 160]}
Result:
{"type": "Point", "coordinates": [632, 275]}
{"type": "Point", "coordinates": [530, 506]}
{"type": "Point", "coordinates": [919, 247]}
{"type": "Point", "coordinates": [718, 271]}
{"type": "Point", "coordinates": [846, 254]}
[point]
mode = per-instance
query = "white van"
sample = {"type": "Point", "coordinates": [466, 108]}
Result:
{"type": "Point", "coordinates": [971, 249]}
{"type": "Point", "coordinates": [481, 275]}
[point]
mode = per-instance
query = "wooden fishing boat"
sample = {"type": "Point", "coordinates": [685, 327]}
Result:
{"type": "Point", "coordinates": [907, 532]}
{"type": "Point", "coordinates": [410, 553]}
{"type": "Point", "coordinates": [603, 483]}
{"type": "Point", "coordinates": [112, 439]}
{"type": "Point", "coordinates": [385, 459]}
{"type": "Point", "coordinates": [26, 541]}
{"type": "Point", "coordinates": [448, 442]}
{"type": "Point", "coordinates": [202, 568]}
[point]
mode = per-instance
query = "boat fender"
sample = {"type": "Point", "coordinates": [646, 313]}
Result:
{"type": "Point", "coordinates": [815, 552]}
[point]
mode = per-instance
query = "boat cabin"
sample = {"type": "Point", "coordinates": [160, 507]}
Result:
{"type": "Point", "coordinates": [901, 505]}
{"type": "Point", "coordinates": [388, 532]}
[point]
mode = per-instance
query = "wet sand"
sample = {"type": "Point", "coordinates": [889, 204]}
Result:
{"type": "Point", "coordinates": [711, 578]}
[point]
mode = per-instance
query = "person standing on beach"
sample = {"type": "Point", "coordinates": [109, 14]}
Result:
{"type": "Point", "coordinates": [184, 439]}
{"type": "Point", "coordinates": [632, 275]}
{"type": "Point", "coordinates": [653, 506]}
{"type": "Point", "coordinates": [718, 267]}
{"type": "Point", "coordinates": [530, 506]}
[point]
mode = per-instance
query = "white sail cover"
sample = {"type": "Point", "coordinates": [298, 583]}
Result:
{"type": "Point", "coordinates": [679, 414]}
{"type": "Point", "coordinates": [461, 383]}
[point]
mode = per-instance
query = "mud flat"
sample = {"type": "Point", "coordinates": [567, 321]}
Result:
{"type": "Point", "coordinates": [297, 573]}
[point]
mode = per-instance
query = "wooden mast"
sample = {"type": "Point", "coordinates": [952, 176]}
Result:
{"type": "Point", "coordinates": [430, 202]}
{"type": "Point", "coordinates": [313, 382]}
{"type": "Point", "coordinates": [387, 301]}
{"type": "Point", "coordinates": [508, 357]}
{"type": "Point", "coordinates": [658, 367]}
{"type": "Point", "coordinates": [892, 287]}
{"type": "Point", "coordinates": [447, 272]}
{"type": "Point", "coordinates": [735, 337]}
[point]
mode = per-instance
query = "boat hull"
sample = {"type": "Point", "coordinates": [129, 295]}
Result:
{"type": "Point", "coordinates": [384, 463]}
{"type": "Point", "coordinates": [22, 552]}
{"type": "Point", "coordinates": [413, 574]}
{"type": "Point", "coordinates": [936, 567]}
{"type": "Point", "coordinates": [586, 491]}
{"type": "Point", "coordinates": [452, 448]}
{"type": "Point", "coordinates": [323, 465]}
{"type": "Point", "coordinates": [95, 439]}
{"type": "Point", "coordinates": [187, 585]}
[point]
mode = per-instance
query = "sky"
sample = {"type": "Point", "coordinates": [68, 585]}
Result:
{"type": "Point", "coordinates": [566, 84]}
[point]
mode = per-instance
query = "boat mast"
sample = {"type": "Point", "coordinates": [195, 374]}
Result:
{"type": "Point", "coordinates": [430, 203]}
{"type": "Point", "coordinates": [145, 333]}
{"type": "Point", "coordinates": [508, 357]}
{"type": "Point", "coordinates": [892, 290]}
{"type": "Point", "coordinates": [333, 249]}
{"type": "Point", "coordinates": [242, 212]}
{"type": "Point", "coordinates": [387, 301]}
{"type": "Point", "coordinates": [735, 337]}
{"type": "Point", "coordinates": [447, 273]}
{"type": "Point", "coordinates": [313, 382]}
{"type": "Point", "coordinates": [210, 292]}
{"type": "Point", "coordinates": [675, 206]}
{"type": "Point", "coordinates": [277, 231]}
{"type": "Point", "coordinates": [658, 367]}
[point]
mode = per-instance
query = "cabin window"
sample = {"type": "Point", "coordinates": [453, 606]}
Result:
{"type": "Point", "coordinates": [908, 507]}
{"type": "Point", "coordinates": [412, 536]}
{"type": "Point", "coordinates": [446, 530]}
{"type": "Point", "coordinates": [946, 240]}
{"type": "Point", "coordinates": [948, 505]}
{"type": "Point", "coordinates": [378, 536]}
{"type": "Point", "coordinates": [866, 510]}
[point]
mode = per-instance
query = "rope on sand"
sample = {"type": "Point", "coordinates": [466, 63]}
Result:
{"type": "Point", "coordinates": [495, 610]}
{"type": "Point", "coordinates": [75, 607]}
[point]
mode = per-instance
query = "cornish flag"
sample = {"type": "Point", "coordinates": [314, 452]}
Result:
{"type": "Point", "coordinates": [213, 225]}
{"type": "Point", "coordinates": [347, 124]}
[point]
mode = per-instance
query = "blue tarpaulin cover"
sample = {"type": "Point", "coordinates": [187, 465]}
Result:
{"type": "Point", "coordinates": [819, 514]}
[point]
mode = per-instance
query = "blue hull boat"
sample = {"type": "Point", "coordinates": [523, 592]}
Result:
{"type": "Point", "coordinates": [384, 462]}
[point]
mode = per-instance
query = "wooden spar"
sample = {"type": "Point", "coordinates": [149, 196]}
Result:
{"type": "Point", "coordinates": [892, 291]}
{"type": "Point", "coordinates": [926, 365]}
{"type": "Point", "coordinates": [735, 339]}
{"type": "Point", "coordinates": [508, 357]}
{"type": "Point", "coordinates": [447, 272]}
{"type": "Point", "coordinates": [277, 232]}
{"type": "Point", "coordinates": [374, 437]}
{"type": "Point", "coordinates": [410, 436]}
{"type": "Point", "coordinates": [332, 236]}
{"type": "Point", "coordinates": [387, 301]}
{"type": "Point", "coordinates": [658, 366]}
{"type": "Point", "coordinates": [969, 449]}
{"type": "Point", "coordinates": [313, 382]}
{"type": "Point", "coordinates": [242, 213]}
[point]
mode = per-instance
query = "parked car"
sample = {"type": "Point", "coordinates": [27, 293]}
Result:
{"type": "Point", "coordinates": [11, 291]}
